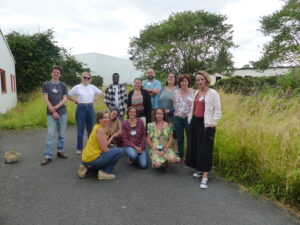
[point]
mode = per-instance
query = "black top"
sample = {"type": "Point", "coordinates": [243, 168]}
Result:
{"type": "Point", "coordinates": [146, 103]}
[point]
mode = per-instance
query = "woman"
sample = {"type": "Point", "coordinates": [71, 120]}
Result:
{"type": "Point", "coordinates": [205, 113]}
{"type": "Point", "coordinates": [85, 114]}
{"type": "Point", "coordinates": [96, 155]}
{"type": "Point", "coordinates": [166, 97]}
{"type": "Point", "coordinates": [134, 139]}
{"type": "Point", "coordinates": [160, 137]}
{"type": "Point", "coordinates": [113, 129]}
{"type": "Point", "coordinates": [183, 99]}
{"type": "Point", "coordinates": [140, 99]}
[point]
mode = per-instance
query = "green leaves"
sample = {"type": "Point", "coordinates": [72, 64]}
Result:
{"type": "Point", "coordinates": [284, 28]}
{"type": "Point", "coordinates": [184, 43]}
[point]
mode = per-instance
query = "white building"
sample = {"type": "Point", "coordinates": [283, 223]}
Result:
{"type": "Point", "coordinates": [105, 66]}
{"type": "Point", "coordinates": [8, 87]}
{"type": "Point", "coordinates": [250, 72]}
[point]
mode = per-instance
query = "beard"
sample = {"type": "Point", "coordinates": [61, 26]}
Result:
{"type": "Point", "coordinates": [150, 77]}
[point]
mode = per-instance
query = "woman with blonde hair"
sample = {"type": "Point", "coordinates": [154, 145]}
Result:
{"type": "Point", "coordinates": [85, 93]}
{"type": "Point", "coordinates": [206, 111]}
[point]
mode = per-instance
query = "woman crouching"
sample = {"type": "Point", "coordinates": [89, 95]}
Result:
{"type": "Point", "coordinates": [160, 139]}
{"type": "Point", "coordinates": [96, 155]}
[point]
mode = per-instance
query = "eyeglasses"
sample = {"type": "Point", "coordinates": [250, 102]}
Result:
{"type": "Point", "coordinates": [86, 78]}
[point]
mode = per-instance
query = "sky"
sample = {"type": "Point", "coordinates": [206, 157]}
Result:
{"type": "Point", "coordinates": [106, 26]}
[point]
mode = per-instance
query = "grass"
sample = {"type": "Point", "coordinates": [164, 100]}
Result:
{"type": "Point", "coordinates": [258, 144]}
{"type": "Point", "coordinates": [32, 113]}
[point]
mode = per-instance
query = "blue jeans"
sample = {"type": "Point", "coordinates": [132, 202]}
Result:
{"type": "Point", "coordinates": [106, 161]}
{"type": "Point", "coordinates": [84, 118]}
{"type": "Point", "coordinates": [59, 126]}
{"type": "Point", "coordinates": [181, 124]}
{"type": "Point", "coordinates": [140, 158]}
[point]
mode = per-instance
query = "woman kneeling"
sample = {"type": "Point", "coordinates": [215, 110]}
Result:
{"type": "Point", "coordinates": [96, 155]}
{"type": "Point", "coordinates": [134, 139]}
{"type": "Point", "coordinates": [160, 138]}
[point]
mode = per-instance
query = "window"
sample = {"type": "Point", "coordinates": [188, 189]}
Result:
{"type": "Point", "coordinates": [3, 82]}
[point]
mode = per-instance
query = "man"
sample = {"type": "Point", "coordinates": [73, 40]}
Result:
{"type": "Point", "coordinates": [115, 96]}
{"type": "Point", "coordinates": [153, 86]}
{"type": "Point", "coordinates": [55, 97]}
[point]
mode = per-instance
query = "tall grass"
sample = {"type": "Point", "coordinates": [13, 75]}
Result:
{"type": "Point", "coordinates": [258, 144]}
{"type": "Point", "coordinates": [32, 113]}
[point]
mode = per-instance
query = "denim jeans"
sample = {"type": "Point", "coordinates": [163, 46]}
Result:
{"type": "Point", "coordinates": [59, 126]}
{"type": "Point", "coordinates": [140, 158]}
{"type": "Point", "coordinates": [181, 124]}
{"type": "Point", "coordinates": [84, 118]}
{"type": "Point", "coordinates": [106, 161]}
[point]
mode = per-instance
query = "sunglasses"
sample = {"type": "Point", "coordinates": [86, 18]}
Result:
{"type": "Point", "coordinates": [86, 78]}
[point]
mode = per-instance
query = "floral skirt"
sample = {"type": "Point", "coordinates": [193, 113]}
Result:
{"type": "Point", "coordinates": [157, 158]}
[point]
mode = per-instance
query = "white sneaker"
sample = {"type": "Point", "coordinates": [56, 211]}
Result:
{"type": "Point", "coordinates": [81, 171]}
{"type": "Point", "coordinates": [78, 152]}
{"type": "Point", "coordinates": [105, 176]}
{"type": "Point", "coordinates": [204, 184]}
{"type": "Point", "coordinates": [197, 174]}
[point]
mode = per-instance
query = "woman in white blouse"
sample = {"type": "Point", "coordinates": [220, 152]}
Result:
{"type": "Point", "coordinates": [182, 100]}
{"type": "Point", "coordinates": [85, 114]}
{"type": "Point", "coordinates": [205, 113]}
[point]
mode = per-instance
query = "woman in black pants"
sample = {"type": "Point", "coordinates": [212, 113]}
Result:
{"type": "Point", "coordinates": [205, 113]}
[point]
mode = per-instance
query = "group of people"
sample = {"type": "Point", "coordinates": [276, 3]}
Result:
{"type": "Point", "coordinates": [157, 117]}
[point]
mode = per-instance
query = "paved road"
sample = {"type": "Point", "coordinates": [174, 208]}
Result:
{"type": "Point", "coordinates": [54, 195]}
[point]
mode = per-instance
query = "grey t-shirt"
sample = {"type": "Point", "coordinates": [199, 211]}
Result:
{"type": "Point", "coordinates": [55, 91]}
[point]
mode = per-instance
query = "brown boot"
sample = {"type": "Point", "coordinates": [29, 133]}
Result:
{"type": "Point", "coordinates": [61, 155]}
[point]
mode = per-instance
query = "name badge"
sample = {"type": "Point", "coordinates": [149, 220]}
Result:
{"type": "Point", "coordinates": [149, 83]}
{"type": "Point", "coordinates": [201, 98]}
{"type": "Point", "coordinates": [159, 147]}
{"type": "Point", "coordinates": [54, 90]}
{"type": "Point", "coordinates": [133, 132]}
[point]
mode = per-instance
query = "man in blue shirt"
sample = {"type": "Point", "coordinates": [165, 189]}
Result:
{"type": "Point", "coordinates": [153, 86]}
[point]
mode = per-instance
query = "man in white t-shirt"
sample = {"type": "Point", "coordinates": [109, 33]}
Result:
{"type": "Point", "coordinates": [115, 96]}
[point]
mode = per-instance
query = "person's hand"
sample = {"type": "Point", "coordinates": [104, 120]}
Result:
{"type": "Point", "coordinates": [55, 115]}
{"type": "Point", "coordinates": [138, 149]}
{"type": "Point", "coordinates": [51, 108]}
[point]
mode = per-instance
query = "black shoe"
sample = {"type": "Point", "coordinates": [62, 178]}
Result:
{"type": "Point", "coordinates": [61, 155]}
{"type": "Point", "coordinates": [45, 161]}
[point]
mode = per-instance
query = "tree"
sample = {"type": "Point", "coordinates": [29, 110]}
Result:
{"type": "Point", "coordinates": [97, 80]}
{"type": "Point", "coordinates": [35, 55]}
{"type": "Point", "coordinates": [184, 43]}
{"type": "Point", "coordinates": [284, 28]}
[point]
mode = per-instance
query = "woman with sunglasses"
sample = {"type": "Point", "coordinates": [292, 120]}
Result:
{"type": "Point", "coordinates": [85, 93]}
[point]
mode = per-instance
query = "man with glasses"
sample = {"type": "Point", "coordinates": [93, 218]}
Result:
{"type": "Point", "coordinates": [55, 97]}
{"type": "Point", "coordinates": [115, 96]}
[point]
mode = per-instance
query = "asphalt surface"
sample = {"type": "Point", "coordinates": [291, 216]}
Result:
{"type": "Point", "coordinates": [53, 194]}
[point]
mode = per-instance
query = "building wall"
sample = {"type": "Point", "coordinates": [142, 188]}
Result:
{"type": "Point", "coordinates": [8, 100]}
{"type": "Point", "coordinates": [276, 71]}
{"type": "Point", "coordinates": [105, 66]}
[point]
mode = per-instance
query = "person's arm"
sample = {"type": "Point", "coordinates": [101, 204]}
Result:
{"type": "Point", "coordinates": [107, 98]}
{"type": "Point", "coordinates": [129, 98]}
{"type": "Point", "coordinates": [117, 133]}
{"type": "Point", "coordinates": [217, 109]}
{"type": "Point", "coordinates": [61, 103]}
{"type": "Point", "coordinates": [48, 103]}
{"type": "Point", "coordinates": [101, 139]}
{"type": "Point", "coordinates": [147, 106]}
{"type": "Point", "coordinates": [170, 139]}
{"type": "Point", "coordinates": [98, 93]}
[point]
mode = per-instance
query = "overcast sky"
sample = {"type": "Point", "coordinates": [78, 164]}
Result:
{"type": "Point", "coordinates": [105, 26]}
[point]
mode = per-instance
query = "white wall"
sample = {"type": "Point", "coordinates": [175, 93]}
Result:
{"type": "Point", "coordinates": [279, 71]}
{"type": "Point", "coordinates": [105, 66]}
{"type": "Point", "coordinates": [7, 63]}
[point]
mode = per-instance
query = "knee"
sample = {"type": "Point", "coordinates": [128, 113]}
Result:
{"type": "Point", "coordinates": [157, 165]}
{"type": "Point", "coordinates": [172, 159]}
{"type": "Point", "coordinates": [144, 166]}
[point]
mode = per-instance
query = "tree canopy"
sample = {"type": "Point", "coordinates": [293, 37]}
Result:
{"type": "Point", "coordinates": [35, 55]}
{"type": "Point", "coordinates": [184, 43]}
{"type": "Point", "coordinates": [283, 26]}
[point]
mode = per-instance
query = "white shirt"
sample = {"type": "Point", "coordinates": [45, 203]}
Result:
{"type": "Point", "coordinates": [85, 94]}
{"type": "Point", "coordinates": [212, 112]}
{"type": "Point", "coordinates": [116, 88]}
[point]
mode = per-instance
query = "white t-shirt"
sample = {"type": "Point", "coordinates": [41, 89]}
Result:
{"type": "Point", "coordinates": [85, 94]}
{"type": "Point", "coordinates": [116, 88]}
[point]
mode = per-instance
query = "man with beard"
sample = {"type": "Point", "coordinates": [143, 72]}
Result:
{"type": "Point", "coordinates": [115, 96]}
{"type": "Point", "coordinates": [55, 96]}
{"type": "Point", "coordinates": [153, 86]}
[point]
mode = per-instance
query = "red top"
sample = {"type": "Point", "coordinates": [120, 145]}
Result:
{"type": "Point", "coordinates": [134, 136]}
{"type": "Point", "coordinates": [199, 106]}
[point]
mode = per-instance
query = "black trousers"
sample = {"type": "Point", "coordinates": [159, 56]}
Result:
{"type": "Point", "coordinates": [199, 153]}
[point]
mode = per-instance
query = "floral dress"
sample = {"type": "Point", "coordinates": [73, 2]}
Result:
{"type": "Point", "coordinates": [160, 138]}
